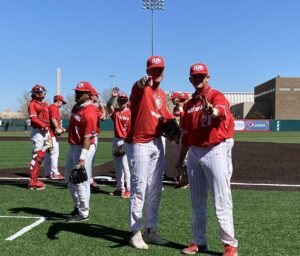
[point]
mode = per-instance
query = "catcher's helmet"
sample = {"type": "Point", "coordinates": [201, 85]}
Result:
{"type": "Point", "coordinates": [38, 89]}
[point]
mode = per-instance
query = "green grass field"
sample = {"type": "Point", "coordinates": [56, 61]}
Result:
{"type": "Point", "coordinates": [22, 153]}
{"type": "Point", "coordinates": [266, 223]}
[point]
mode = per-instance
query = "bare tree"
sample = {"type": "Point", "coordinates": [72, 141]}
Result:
{"type": "Point", "coordinates": [24, 102]}
{"type": "Point", "coordinates": [66, 109]}
{"type": "Point", "coordinates": [106, 94]}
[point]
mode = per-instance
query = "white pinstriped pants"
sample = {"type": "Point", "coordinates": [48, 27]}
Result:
{"type": "Point", "coordinates": [51, 159]}
{"type": "Point", "coordinates": [121, 168]}
{"type": "Point", "coordinates": [80, 192]}
{"type": "Point", "coordinates": [146, 163]}
{"type": "Point", "coordinates": [208, 167]}
{"type": "Point", "coordinates": [230, 144]}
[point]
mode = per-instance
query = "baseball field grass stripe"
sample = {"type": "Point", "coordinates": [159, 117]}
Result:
{"type": "Point", "coordinates": [266, 184]}
{"type": "Point", "coordinates": [25, 229]}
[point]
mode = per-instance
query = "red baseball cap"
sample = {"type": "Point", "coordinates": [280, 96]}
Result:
{"type": "Point", "coordinates": [184, 95]}
{"type": "Point", "coordinates": [155, 62]}
{"type": "Point", "coordinates": [84, 86]}
{"type": "Point", "coordinates": [94, 92]}
{"type": "Point", "coordinates": [59, 97]}
{"type": "Point", "coordinates": [174, 95]}
{"type": "Point", "coordinates": [198, 68]}
{"type": "Point", "coordinates": [38, 89]}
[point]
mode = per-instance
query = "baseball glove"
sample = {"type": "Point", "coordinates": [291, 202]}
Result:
{"type": "Point", "coordinates": [171, 130]}
{"type": "Point", "coordinates": [78, 175]}
{"type": "Point", "coordinates": [182, 178]}
{"type": "Point", "coordinates": [120, 151]}
{"type": "Point", "coordinates": [49, 144]}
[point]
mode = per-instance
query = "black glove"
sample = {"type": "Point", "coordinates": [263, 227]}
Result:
{"type": "Point", "coordinates": [120, 151]}
{"type": "Point", "coordinates": [171, 130]}
{"type": "Point", "coordinates": [78, 175]}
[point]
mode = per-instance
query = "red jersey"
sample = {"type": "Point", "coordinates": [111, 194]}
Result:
{"type": "Point", "coordinates": [230, 125]}
{"type": "Point", "coordinates": [121, 122]}
{"type": "Point", "coordinates": [83, 123]}
{"type": "Point", "coordinates": [39, 114]}
{"type": "Point", "coordinates": [148, 111]}
{"type": "Point", "coordinates": [200, 129]}
{"type": "Point", "coordinates": [54, 113]}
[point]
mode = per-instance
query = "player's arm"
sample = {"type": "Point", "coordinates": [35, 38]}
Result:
{"type": "Point", "coordinates": [102, 110]}
{"type": "Point", "coordinates": [144, 81]}
{"type": "Point", "coordinates": [217, 106]}
{"type": "Point", "coordinates": [112, 101]}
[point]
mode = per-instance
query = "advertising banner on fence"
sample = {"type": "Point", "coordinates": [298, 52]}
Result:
{"type": "Point", "coordinates": [239, 125]}
{"type": "Point", "coordinates": [252, 125]}
{"type": "Point", "coordinates": [257, 125]}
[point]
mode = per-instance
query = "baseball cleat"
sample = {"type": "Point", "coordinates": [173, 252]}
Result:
{"type": "Point", "coordinates": [38, 185]}
{"type": "Point", "coordinates": [150, 236]}
{"type": "Point", "coordinates": [126, 194]}
{"type": "Point", "coordinates": [136, 241]}
{"type": "Point", "coordinates": [230, 250]}
{"type": "Point", "coordinates": [193, 249]}
{"type": "Point", "coordinates": [57, 177]}
{"type": "Point", "coordinates": [77, 218]}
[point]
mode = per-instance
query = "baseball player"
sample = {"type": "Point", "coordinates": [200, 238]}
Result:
{"type": "Point", "coordinates": [145, 153]}
{"type": "Point", "coordinates": [83, 128]}
{"type": "Point", "coordinates": [96, 101]}
{"type": "Point", "coordinates": [39, 116]}
{"type": "Point", "coordinates": [205, 130]}
{"type": "Point", "coordinates": [51, 158]}
{"type": "Point", "coordinates": [179, 99]}
{"type": "Point", "coordinates": [121, 118]}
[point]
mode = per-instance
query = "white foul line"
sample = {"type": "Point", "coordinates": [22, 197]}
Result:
{"type": "Point", "coordinates": [266, 184]}
{"type": "Point", "coordinates": [25, 229]}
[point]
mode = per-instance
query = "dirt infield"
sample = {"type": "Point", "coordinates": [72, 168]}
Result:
{"type": "Point", "coordinates": [268, 163]}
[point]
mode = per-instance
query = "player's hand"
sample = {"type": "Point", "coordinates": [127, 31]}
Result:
{"type": "Point", "coordinates": [81, 162]}
{"type": "Point", "coordinates": [59, 131]}
{"type": "Point", "coordinates": [145, 81]}
{"type": "Point", "coordinates": [115, 92]}
{"type": "Point", "coordinates": [103, 116]}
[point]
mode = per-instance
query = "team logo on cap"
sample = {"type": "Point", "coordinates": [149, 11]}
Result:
{"type": "Point", "coordinates": [198, 68]}
{"type": "Point", "coordinates": [156, 61]}
{"type": "Point", "coordinates": [80, 85]}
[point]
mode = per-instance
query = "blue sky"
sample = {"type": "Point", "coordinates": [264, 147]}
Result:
{"type": "Point", "coordinates": [243, 42]}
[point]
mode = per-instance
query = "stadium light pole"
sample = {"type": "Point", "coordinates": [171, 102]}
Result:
{"type": "Point", "coordinates": [153, 5]}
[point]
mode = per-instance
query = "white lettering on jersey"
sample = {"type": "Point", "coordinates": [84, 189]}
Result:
{"type": "Point", "coordinates": [126, 118]}
{"type": "Point", "coordinates": [194, 109]}
{"type": "Point", "coordinates": [158, 116]}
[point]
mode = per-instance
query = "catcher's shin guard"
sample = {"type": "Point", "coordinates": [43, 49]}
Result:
{"type": "Point", "coordinates": [35, 164]}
